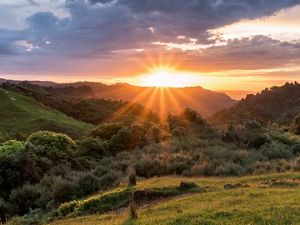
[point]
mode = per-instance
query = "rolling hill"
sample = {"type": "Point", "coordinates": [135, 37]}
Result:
{"type": "Point", "coordinates": [272, 105]}
{"type": "Point", "coordinates": [160, 100]}
{"type": "Point", "coordinates": [165, 100]}
{"type": "Point", "coordinates": [20, 116]}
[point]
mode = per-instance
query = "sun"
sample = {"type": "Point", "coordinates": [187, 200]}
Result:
{"type": "Point", "coordinates": [166, 77]}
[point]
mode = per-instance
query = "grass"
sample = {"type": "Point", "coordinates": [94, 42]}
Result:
{"type": "Point", "coordinates": [254, 205]}
{"type": "Point", "coordinates": [20, 116]}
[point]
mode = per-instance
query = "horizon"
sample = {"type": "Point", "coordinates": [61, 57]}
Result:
{"type": "Point", "coordinates": [152, 43]}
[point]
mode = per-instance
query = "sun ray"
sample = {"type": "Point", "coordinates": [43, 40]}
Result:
{"type": "Point", "coordinates": [120, 112]}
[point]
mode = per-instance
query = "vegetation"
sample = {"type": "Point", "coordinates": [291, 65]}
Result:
{"type": "Point", "coordinates": [274, 105]}
{"type": "Point", "coordinates": [49, 174]}
{"type": "Point", "coordinates": [256, 204]}
{"type": "Point", "coordinates": [21, 116]}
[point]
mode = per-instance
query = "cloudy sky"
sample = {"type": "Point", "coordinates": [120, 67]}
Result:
{"type": "Point", "coordinates": [224, 44]}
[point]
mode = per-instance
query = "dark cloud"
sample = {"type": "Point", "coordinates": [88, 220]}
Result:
{"type": "Point", "coordinates": [95, 32]}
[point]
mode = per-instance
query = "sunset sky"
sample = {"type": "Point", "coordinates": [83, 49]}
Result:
{"type": "Point", "coordinates": [217, 44]}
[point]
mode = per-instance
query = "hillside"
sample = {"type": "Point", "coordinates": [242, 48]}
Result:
{"type": "Point", "coordinates": [164, 100]}
{"type": "Point", "coordinates": [20, 116]}
{"type": "Point", "coordinates": [275, 105]}
{"type": "Point", "coordinates": [81, 104]}
{"type": "Point", "coordinates": [160, 100]}
{"type": "Point", "coordinates": [269, 199]}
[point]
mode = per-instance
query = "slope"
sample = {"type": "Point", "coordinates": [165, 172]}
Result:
{"type": "Point", "coordinates": [20, 116]}
{"type": "Point", "coordinates": [272, 105]}
{"type": "Point", "coordinates": [164, 100]}
{"type": "Point", "coordinates": [264, 199]}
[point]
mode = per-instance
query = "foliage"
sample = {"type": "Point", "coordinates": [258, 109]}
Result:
{"type": "Point", "coordinates": [11, 147]}
{"type": "Point", "coordinates": [272, 105]}
{"type": "Point", "coordinates": [52, 145]}
{"type": "Point", "coordinates": [21, 116]}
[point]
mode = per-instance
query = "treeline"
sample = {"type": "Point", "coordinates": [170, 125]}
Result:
{"type": "Point", "coordinates": [272, 105]}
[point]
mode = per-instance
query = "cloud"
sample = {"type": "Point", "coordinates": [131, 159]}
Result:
{"type": "Point", "coordinates": [255, 53]}
{"type": "Point", "coordinates": [93, 35]}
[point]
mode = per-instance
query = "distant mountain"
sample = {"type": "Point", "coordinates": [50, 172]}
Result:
{"type": "Point", "coordinates": [20, 116]}
{"type": "Point", "coordinates": [275, 105]}
{"type": "Point", "coordinates": [161, 100]}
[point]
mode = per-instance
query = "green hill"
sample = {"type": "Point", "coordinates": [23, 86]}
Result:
{"type": "Point", "coordinates": [272, 105]}
{"type": "Point", "coordinates": [265, 199]}
{"type": "Point", "coordinates": [20, 116]}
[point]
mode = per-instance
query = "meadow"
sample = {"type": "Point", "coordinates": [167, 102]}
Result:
{"type": "Point", "coordinates": [270, 199]}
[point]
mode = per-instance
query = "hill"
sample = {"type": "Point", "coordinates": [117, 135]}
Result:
{"type": "Point", "coordinates": [275, 105]}
{"type": "Point", "coordinates": [20, 116]}
{"type": "Point", "coordinates": [160, 100]}
{"type": "Point", "coordinates": [264, 199]}
{"type": "Point", "coordinates": [164, 100]}
{"type": "Point", "coordinates": [80, 103]}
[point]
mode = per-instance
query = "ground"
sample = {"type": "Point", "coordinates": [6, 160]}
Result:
{"type": "Point", "coordinates": [270, 199]}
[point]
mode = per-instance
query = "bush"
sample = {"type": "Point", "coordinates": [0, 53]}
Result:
{"type": "Point", "coordinates": [92, 147]}
{"type": "Point", "coordinates": [87, 184]}
{"type": "Point", "coordinates": [276, 151]}
{"type": "Point", "coordinates": [110, 179]}
{"type": "Point", "coordinates": [106, 130]}
{"type": "Point", "coordinates": [52, 145]}
{"type": "Point", "coordinates": [228, 169]}
{"type": "Point", "coordinates": [128, 139]}
{"type": "Point", "coordinates": [11, 147]}
{"type": "Point", "coordinates": [63, 190]}
{"type": "Point", "coordinates": [23, 199]}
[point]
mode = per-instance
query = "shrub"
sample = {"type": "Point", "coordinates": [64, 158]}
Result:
{"type": "Point", "coordinates": [128, 139]}
{"type": "Point", "coordinates": [106, 130]}
{"type": "Point", "coordinates": [23, 199]}
{"type": "Point", "coordinates": [52, 145]}
{"type": "Point", "coordinates": [87, 184]}
{"type": "Point", "coordinates": [5, 210]}
{"type": "Point", "coordinates": [63, 190]}
{"type": "Point", "coordinates": [276, 151]}
{"type": "Point", "coordinates": [66, 208]}
{"type": "Point", "coordinates": [11, 147]}
{"type": "Point", "coordinates": [228, 169]}
{"type": "Point", "coordinates": [92, 147]}
{"type": "Point", "coordinates": [110, 179]}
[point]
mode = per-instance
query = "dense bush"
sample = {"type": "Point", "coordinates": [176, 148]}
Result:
{"type": "Point", "coordinates": [23, 199]}
{"type": "Point", "coordinates": [106, 130]}
{"type": "Point", "coordinates": [94, 147]}
{"type": "Point", "coordinates": [11, 147]}
{"type": "Point", "coordinates": [52, 145]}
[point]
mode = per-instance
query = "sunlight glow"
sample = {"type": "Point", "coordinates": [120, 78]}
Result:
{"type": "Point", "coordinates": [167, 77]}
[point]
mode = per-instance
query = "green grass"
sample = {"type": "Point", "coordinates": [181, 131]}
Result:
{"type": "Point", "coordinates": [21, 116]}
{"type": "Point", "coordinates": [254, 205]}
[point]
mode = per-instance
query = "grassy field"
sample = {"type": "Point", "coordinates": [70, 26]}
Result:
{"type": "Point", "coordinates": [270, 199]}
{"type": "Point", "coordinates": [21, 116]}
